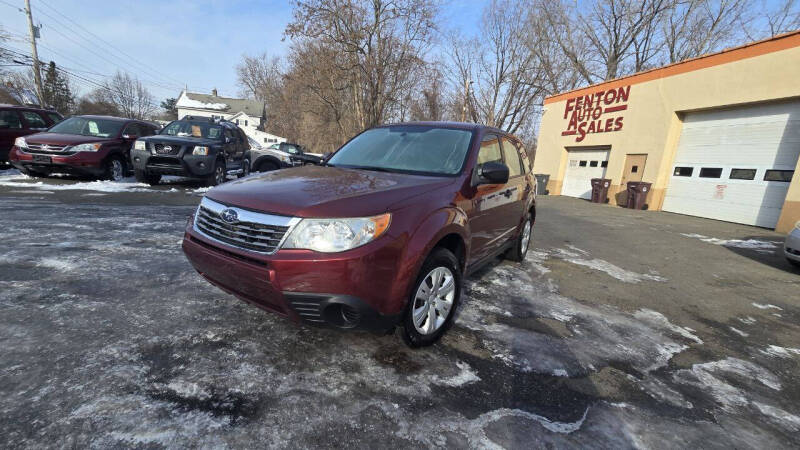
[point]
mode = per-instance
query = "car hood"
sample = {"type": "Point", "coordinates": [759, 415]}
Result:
{"type": "Point", "coordinates": [62, 139]}
{"type": "Point", "coordinates": [314, 191]}
{"type": "Point", "coordinates": [182, 140]}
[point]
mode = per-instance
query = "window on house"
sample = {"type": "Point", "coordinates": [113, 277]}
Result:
{"type": "Point", "coordinates": [779, 175]}
{"type": "Point", "coordinates": [593, 163]}
{"type": "Point", "coordinates": [582, 163]}
{"type": "Point", "coordinates": [683, 171]}
{"type": "Point", "coordinates": [743, 174]}
{"type": "Point", "coordinates": [245, 122]}
{"type": "Point", "coordinates": [710, 172]}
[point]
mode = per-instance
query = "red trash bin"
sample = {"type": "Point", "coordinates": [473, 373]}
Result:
{"type": "Point", "coordinates": [637, 194]}
{"type": "Point", "coordinates": [600, 190]}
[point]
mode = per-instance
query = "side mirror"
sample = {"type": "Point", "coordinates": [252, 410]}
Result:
{"type": "Point", "coordinates": [227, 140]}
{"type": "Point", "coordinates": [492, 173]}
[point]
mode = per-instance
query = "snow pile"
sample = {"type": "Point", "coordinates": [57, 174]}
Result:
{"type": "Point", "coordinates": [185, 102]}
{"type": "Point", "coordinates": [752, 244]}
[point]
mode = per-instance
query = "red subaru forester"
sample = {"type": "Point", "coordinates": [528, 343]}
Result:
{"type": "Point", "coordinates": [380, 236]}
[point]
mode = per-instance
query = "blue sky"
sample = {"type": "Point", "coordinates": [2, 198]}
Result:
{"type": "Point", "coordinates": [166, 43]}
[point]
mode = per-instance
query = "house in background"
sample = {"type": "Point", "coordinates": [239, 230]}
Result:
{"type": "Point", "coordinates": [249, 115]}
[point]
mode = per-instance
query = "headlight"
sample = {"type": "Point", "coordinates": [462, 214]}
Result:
{"type": "Point", "coordinates": [85, 148]}
{"type": "Point", "coordinates": [284, 158]}
{"type": "Point", "coordinates": [140, 145]}
{"type": "Point", "coordinates": [336, 235]}
{"type": "Point", "coordinates": [20, 142]}
{"type": "Point", "coordinates": [200, 150]}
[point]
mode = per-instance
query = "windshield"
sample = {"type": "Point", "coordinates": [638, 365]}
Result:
{"type": "Point", "coordinates": [84, 126]}
{"type": "Point", "coordinates": [406, 148]}
{"type": "Point", "coordinates": [184, 128]}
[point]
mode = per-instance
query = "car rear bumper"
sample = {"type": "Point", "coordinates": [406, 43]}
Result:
{"type": "Point", "coordinates": [84, 163]}
{"type": "Point", "coordinates": [350, 292]}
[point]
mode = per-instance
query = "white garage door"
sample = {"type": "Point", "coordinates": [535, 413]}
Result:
{"type": "Point", "coordinates": [583, 165]}
{"type": "Point", "coordinates": [736, 164]}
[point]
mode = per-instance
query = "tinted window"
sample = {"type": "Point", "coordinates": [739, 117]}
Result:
{"type": "Point", "coordinates": [133, 129]}
{"type": "Point", "coordinates": [710, 172]}
{"type": "Point", "coordinates": [490, 150]}
{"type": "Point", "coordinates": [593, 163]}
{"type": "Point", "coordinates": [55, 117]}
{"type": "Point", "coordinates": [10, 119]}
{"type": "Point", "coordinates": [582, 164]}
{"type": "Point", "coordinates": [84, 126]}
{"type": "Point", "coordinates": [779, 175]}
{"type": "Point", "coordinates": [411, 148]}
{"type": "Point", "coordinates": [185, 128]}
{"type": "Point", "coordinates": [604, 164]}
{"type": "Point", "coordinates": [743, 174]}
{"type": "Point", "coordinates": [34, 119]}
{"type": "Point", "coordinates": [683, 171]}
{"type": "Point", "coordinates": [511, 156]}
{"type": "Point", "coordinates": [526, 165]}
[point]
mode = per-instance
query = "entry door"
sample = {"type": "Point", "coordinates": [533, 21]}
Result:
{"type": "Point", "coordinates": [634, 168]}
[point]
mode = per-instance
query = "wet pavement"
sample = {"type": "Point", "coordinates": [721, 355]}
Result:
{"type": "Point", "coordinates": [622, 329]}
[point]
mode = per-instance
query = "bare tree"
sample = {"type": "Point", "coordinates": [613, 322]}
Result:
{"type": "Point", "coordinates": [259, 77]}
{"type": "Point", "coordinates": [772, 18]}
{"type": "Point", "coordinates": [696, 27]}
{"type": "Point", "coordinates": [128, 95]}
{"type": "Point", "coordinates": [382, 44]}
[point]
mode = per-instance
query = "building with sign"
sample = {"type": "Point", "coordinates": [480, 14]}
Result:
{"type": "Point", "coordinates": [717, 136]}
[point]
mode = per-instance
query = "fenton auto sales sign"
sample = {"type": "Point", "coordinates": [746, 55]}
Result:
{"type": "Point", "coordinates": [598, 112]}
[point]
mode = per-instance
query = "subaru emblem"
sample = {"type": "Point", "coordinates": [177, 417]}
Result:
{"type": "Point", "coordinates": [229, 215]}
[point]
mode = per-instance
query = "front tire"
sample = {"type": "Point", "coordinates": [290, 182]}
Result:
{"type": "Point", "coordinates": [522, 242]}
{"type": "Point", "coordinates": [217, 176]}
{"type": "Point", "coordinates": [794, 263]}
{"type": "Point", "coordinates": [114, 169]}
{"type": "Point", "coordinates": [146, 177]}
{"type": "Point", "coordinates": [433, 301]}
{"type": "Point", "coordinates": [267, 166]}
{"type": "Point", "coordinates": [245, 168]}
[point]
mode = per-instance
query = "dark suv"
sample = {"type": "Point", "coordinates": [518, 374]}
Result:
{"type": "Point", "coordinates": [18, 121]}
{"type": "Point", "coordinates": [380, 236]}
{"type": "Point", "coordinates": [98, 146]}
{"type": "Point", "coordinates": [194, 147]}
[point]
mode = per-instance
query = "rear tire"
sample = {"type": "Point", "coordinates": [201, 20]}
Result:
{"type": "Point", "coordinates": [146, 177]}
{"type": "Point", "coordinates": [114, 169]}
{"type": "Point", "coordinates": [522, 242]}
{"type": "Point", "coordinates": [434, 300]}
{"type": "Point", "coordinates": [218, 174]}
{"type": "Point", "coordinates": [794, 263]}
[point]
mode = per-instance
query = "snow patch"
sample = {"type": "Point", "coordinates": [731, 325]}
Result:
{"type": "Point", "coordinates": [612, 270]}
{"type": "Point", "coordinates": [768, 306]}
{"type": "Point", "coordinates": [712, 377]}
{"type": "Point", "coordinates": [780, 352]}
{"type": "Point", "coordinates": [465, 376]}
{"type": "Point", "coordinates": [656, 318]}
{"type": "Point", "coordinates": [185, 102]}
{"type": "Point", "coordinates": [58, 264]}
{"type": "Point", "coordinates": [739, 332]}
{"type": "Point", "coordinates": [747, 320]}
{"type": "Point", "coordinates": [753, 244]}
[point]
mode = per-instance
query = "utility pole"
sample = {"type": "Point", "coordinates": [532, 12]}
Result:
{"type": "Point", "coordinates": [37, 74]}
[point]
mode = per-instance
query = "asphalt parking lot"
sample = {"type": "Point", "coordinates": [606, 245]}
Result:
{"type": "Point", "coordinates": [623, 329]}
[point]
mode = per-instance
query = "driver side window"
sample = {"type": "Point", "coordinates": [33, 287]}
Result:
{"type": "Point", "coordinates": [490, 150]}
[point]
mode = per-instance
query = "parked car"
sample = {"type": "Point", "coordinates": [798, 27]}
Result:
{"type": "Point", "coordinates": [98, 146]}
{"type": "Point", "coordinates": [791, 247]}
{"type": "Point", "coordinates": [381, 237]}
{"type": "Point", "coordinates": [280, 156]}
{"type": "Point", "coordinates": [18, 121]}
{"type": "Point", "coordinates": [194, 147]}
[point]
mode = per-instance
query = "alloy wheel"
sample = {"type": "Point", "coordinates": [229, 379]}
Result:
{"type": "Point", "coordinates": [219, 175]}
{"type": "Point", "coordinates": [433, 301]}
{"type": "Point", "coordinates": [526, 237]}
{"type": "Point", "coordinates": [117, 170]}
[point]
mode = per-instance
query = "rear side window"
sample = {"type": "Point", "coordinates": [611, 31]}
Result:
{"type": "Point", "coordinates": [512, 158]}
{"type": "Point", "coordinates": [10, 119]}
{"type": "Point", "coordinates": [526, 164]}
{"type": "Point", "coordinates": [683, 171]}
{"type": "Point", "coordinates": [710, 172]}
{"type": "Point", "coordinates": [779, 175]}
{"type": "Point", "coordinates": [55, 117]}
{"type": "Point", "coordinates": [490, 150]}
{"type": "Point", "coordinates": [34, 119]}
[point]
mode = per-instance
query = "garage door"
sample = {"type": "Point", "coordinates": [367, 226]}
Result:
{"type": "Point", "coordinates": [582, 165]}
{"type": "Point", "coordinates": [736, 164]}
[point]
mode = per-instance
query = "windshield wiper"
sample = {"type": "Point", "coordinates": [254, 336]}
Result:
{"type": "Point", "coordinates": [376, 169]}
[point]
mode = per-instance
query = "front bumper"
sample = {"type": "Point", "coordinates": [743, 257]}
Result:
{"type": "Point", "coordinates": [81, 163]}
{"type": "Point", "coordinates": [791, 248]}
{"type": "Point", "coordinates": [360, 290]}
{"type": "Point", "coordinates": [185, 165]}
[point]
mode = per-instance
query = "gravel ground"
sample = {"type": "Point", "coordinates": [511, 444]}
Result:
{"type": "Point", "coordinates": [623, 329]}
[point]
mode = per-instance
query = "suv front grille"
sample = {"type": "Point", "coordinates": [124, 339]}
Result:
{"type": "Point", "coordinates": [166, 149]}
{"type": "Point", "coordinates": [45, 148]}
{"type": "Point", "coordinates": [252, 231]}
